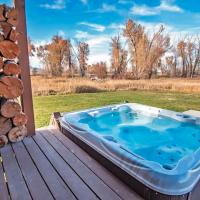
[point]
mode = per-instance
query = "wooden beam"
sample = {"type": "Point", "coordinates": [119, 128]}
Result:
{"type": "Point", "coordinates": [26, 99]}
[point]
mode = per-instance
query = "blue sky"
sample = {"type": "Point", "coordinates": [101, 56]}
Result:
{"type": "Point", "coordinates": [95, 21]}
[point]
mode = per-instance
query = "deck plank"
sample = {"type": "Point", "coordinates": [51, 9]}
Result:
{"type": "Point", "coordinates": [3, 188]}
{"type": "Point", "coordinates": [17, 186]}
{"type": "Point", "coordinates": [111, 180]}
{"type": "Point", "coordinates": [36, 184]}
{"type": "Point", "coordinates": [78, 187]}
{"type": "Point", "coordinates": [94, 182]}
{"type": "Point", "coordinates": [55, 183]}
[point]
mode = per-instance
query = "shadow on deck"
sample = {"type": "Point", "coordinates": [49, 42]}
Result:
{"type": "Point", "coordinates": [50, 166]}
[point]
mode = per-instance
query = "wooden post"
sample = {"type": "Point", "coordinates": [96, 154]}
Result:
{"type": "Point", "coordinates": [26, 99]}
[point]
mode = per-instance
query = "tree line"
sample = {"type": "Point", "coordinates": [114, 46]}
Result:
{"type": "Point", "coordinates": [142, 55]}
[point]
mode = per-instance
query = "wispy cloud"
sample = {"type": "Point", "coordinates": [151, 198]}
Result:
{"type": "Point", "coordinates": [99, 45]}
{"type": "Point", "coordinates": [125, 1]}
{"type": "Point", "coordinates": [84, 1]}
{"type": "Point", "coordinates": [96, 27]}
{"type": "Point", "coordinates": [61, 33]}
{"type": "Point", "coordinates": [165, 5]}
{"type": "Point", "coordinates": [106, 8]}
{"type": "Point", "coordinates": [56, 5]}
{"type": "Point", "coordinates": [116, 26]}
{"type": "Point", "coordinates": [82, 35]}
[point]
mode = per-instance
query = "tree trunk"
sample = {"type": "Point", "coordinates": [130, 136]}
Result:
{"type": "Point", "coordinates": [20, 119]}
{"type": "Point", "coordinates": [11, 68]}
{"type": "Point", "coordinates": [5, 125]}
{"type": "Point", "coordinates": [17, 134]}
{"type": "Point", "coordinates": [9, 50]}
{"type": "Point", "coordinates": [10, 108]}
{"type": "Point", "coordinates": [10, 87]}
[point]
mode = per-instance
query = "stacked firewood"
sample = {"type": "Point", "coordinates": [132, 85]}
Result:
{"type": "Point", "coordinates": [12, 119]}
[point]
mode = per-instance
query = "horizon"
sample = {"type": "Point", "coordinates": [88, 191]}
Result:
{"type": "Point", "coordinates": [96, 22]}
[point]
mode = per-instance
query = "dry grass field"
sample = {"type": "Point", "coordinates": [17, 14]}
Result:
{"type": "Point", "coordinates": [62, 85]}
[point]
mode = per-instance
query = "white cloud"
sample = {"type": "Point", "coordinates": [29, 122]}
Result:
{"type": "Point", "coordinates": [116, 26]}
{"type": "Point", "coordinates": [84, 1]}
{"type": "Point", "coordinates": [143, 10]}
{"type": "Point", "coordinates": [96, 27]}
{"type": "Point", "coordinates": [56, 5]}
{"type": "Point", "coordinates": [82, 35]}
{"type": "Point", "coordinates": [99, 45]}
{"type": "Point", "coordinates": [165, 5]}
{"type": "Point", "coordinates": [106, 8]}
{"type": "Point", "coordinates": [125, 1]}
{"type": "Point", "coordinates": [61, 33]}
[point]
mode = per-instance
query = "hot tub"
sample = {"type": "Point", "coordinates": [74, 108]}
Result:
{"type": "Point", "coordinates": [156, 151]}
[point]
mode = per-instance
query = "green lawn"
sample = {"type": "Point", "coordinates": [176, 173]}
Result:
{"type": "Point", "coordinates": [45, 105]}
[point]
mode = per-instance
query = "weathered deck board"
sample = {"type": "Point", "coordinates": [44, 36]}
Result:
{"type": "Point", "coordinates": [3, 186]}
{"type": "Point", "coordinates": [78, 187]}
{"type": "Point", "coordinates": [36, 185]}
{"type": "Point", "coordinates": [55, 183]}
{"type": "Point", "coordinates": [50, 166]}
{"type": "Point", "coordinates": [112, 181]}
{"type": "Point", "coordinates": [96, 184]}
{"type": "Point", "coordinates": [16, 183]}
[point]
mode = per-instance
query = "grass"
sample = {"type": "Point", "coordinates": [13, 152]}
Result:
{"type": "Point", "coordinates": [45, 105]}
{"type": "Point", "coordinates": [62, 85]}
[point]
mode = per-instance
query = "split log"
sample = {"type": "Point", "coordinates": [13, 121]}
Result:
{"type": "Point", "coordinates": [1, 37]}
{"type": "Point", "coordinates": [20, 119]}
{"type": "Point", "coordinates": [17, 134]}
{"type": "Point", "coordinates": [11, 68]}
{"type": "Point", "coordinates": [10, 108]}
{"type": "Point", "coordinates": [13, 35]}
{"type": "Point", "coordinates": [3, 140]}
{"type": "Point", "coordinates": [5, 125]}
{"type": "Point", "coordinates": [1, 63]}
{"type": "Point", "coordinates": [12, 16]}
{"type": "Point", "coordinates": [2, 9]}
{"type": "Point", "coordinates": [5, 28]}
{"type": "Point", "coordinates": [10, 87]}
{"type": "Point", "coordinates": [9, 49]}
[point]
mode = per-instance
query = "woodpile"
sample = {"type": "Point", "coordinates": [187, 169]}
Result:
{"type": "Point", "coordinates": [12, 119]}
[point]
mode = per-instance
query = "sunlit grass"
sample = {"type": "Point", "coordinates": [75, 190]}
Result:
{"type": "Point", "coordinates": [45, 105]}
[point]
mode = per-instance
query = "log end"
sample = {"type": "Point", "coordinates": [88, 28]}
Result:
{"type": "Point", "coordinates": [17, 134]}
{"type": "Point", "coordinates": [3, 140]}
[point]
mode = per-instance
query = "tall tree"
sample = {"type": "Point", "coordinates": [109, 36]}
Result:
{"type": "Point", "coordinates": [119, 58]}
{"type": "Point", "coordinates": [83, 53]}
{"type": "Point", "coordinates": [54, 55]}
{"type": "Point", "coordinates": [99, 69]}
{"type": "Point", "coordinates": [145, 50]}
{"type": "Point", "coordinates": [189, 52]}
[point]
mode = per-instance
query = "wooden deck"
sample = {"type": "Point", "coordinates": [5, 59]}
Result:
{"type": "Point", "coordinates": [50, 166]}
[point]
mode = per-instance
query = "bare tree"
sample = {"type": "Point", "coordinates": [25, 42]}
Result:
{"type": "Point", "coordinates": [171, 65]}
{"type": "Point", "coordinates": [145, 50]}
{"type": "Point", "coordinates": [83, 52]}
{"type": "Point", "coordinates": [70, 60]}
{"type": "Point", "coordinates": [119, 58]}
{"type": "Point", "coordinates": [99, 69]}
{"type": "Point", "coordinates": [54, 55]}
{"type": "Point", "coordinates": [189, 52]}
{"type": "Point", "coordinates": [31, 47]}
